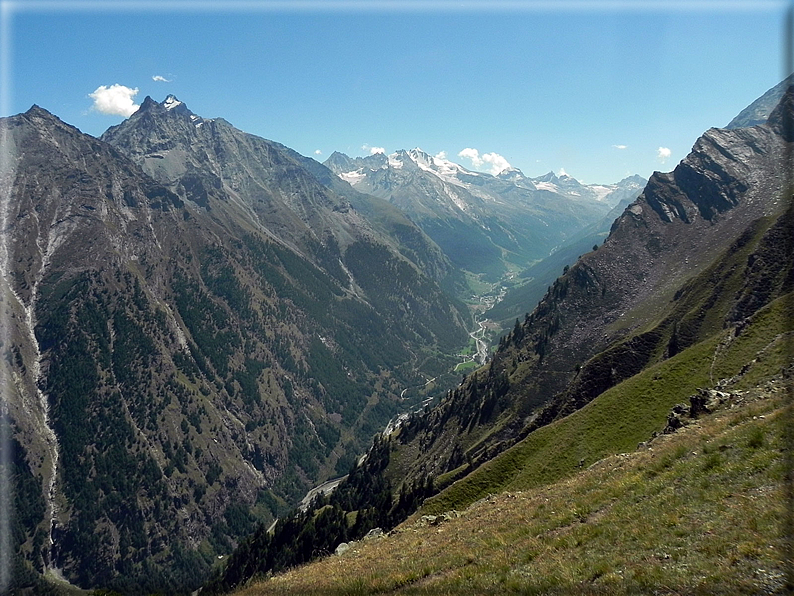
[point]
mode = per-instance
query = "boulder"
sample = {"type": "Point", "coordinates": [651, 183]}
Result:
{"type": "Point", "coordinates": [374, 533]}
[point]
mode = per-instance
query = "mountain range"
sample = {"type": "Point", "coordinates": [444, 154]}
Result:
{"type": "Point", "coordinates": [203, 324]}
{"type": "Point", "coordinates": [685, 307]}
{"type": "Point", "coordinates": [485, 224]}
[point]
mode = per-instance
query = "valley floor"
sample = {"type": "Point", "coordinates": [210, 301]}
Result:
{"type": "Point", "coordinates": [700, 511]}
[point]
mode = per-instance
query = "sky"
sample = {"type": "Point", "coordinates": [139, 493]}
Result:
{"type": "Point", "coordinates": [599, 90]}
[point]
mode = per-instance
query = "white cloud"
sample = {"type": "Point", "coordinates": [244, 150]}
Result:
{"type": "Point", "coordinates": [497, 162]}
{"type": "Point", "coordinates": [663, 153]}
{"type": "Point", "coordinates": [441, 155]}
{"type": "Point", "coordinates": [562, 173]}
{"type": "Point", "coordinates": [620, 146]}
{"type": "Point", "coordinates": [115, 100]}
{"type": "Point", "coordinates": [372, 150]}
{"type": "Point", "coordinates": [318, 152]}
{"type": "Point", "coordinates": [473, 155]}
{"type": "Point", "coordinates": [160, 79]}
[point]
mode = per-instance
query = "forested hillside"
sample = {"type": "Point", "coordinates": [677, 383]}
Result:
{"type": "Point", "coordinates": [189, 356]}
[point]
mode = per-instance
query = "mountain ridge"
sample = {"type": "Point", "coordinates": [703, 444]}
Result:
{"type": "Point", "coordinates": [691, 286]}
{"type": "Point", "coordinates": [195, 373]}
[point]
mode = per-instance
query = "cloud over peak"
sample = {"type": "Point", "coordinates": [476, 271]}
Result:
{"type": "Point", "coordinates": [497, 162]}
{"type": "Point", "coordinates": [115, 100]}
{"type": "Point", "coordinates": [372, 150]}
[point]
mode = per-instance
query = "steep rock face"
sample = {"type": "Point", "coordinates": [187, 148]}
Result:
{"type": "Point", "coordinates": [628, 303]}
{"type": "Point", "coordinates": [285, 193]}
{"type": "Point", "coordinates": [178, 372]}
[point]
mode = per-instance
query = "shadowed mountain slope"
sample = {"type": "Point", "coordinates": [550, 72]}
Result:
{"type": "Point", "coordinates": [189, 351]}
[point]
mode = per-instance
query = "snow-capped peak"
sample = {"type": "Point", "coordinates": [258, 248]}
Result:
{"type": "Point", "coordinates": [437, 164]}
{"type": "Point", "coordinates": [420, 157]}
{"type": "Point", "coordinates": [171, 102]}
{"type": "Point", "coordinates": [395, 160]}
{"type": "Point", "coordinates": [511, 173]}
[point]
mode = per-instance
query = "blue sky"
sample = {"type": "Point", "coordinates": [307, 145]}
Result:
{"type": "Point", "coordinates": [593, 88]}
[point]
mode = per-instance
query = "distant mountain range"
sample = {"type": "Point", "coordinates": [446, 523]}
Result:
{"type": "Point", "coordinates": [485, 224]}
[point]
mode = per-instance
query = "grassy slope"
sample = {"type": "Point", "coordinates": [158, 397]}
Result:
{"type": "Point", "coordinates": [625, 415]}
{"type": "Point", "coordinates": [694, 310]}
{"type": "Point", "coordinates": [698, 512]}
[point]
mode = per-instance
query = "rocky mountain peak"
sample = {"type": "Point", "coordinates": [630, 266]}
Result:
{"type": "Point", "coordinates": [169, 105]}
{"type": "Point", "coordinates": [548, 177]}
{"type": "Point", "coordinates": [171, 102]}
{"type": "Point", "coordinates": [148, 104]}
{"type": "Point", "coordinates": [510, 174]}
{"type": "Point", "coordinates": [631, 181]}
{"type": "Point", "coordinates": [761, 109]}
{"type": "Point", "coordinates": [402, 159]}
{"type": "Point", "coordinates": [420, 156]}
{"type": "Point", "coordinates": [36, 110]}
{"type": "Point", "coordinates": [38, 114]}
{"type": "Point", "coordinates": [780, 120]}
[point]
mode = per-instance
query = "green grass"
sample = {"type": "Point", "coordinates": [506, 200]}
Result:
{"type": "Point", "coordinates": [614, 422]}
{"type": "Point", "coordinates": [699, 513]}
{"type": "Point", "coordinates": [471, 348]}
{"type": "Point", "coordinates": [626, 414]}
{"type": "Point", "coordinates": [466, 366]}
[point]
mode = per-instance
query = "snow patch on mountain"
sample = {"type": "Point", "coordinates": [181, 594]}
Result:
{"type": "Point", "coordinates": [459, 203]}
{"type": "Point", "coordinates": [550, 186]}
{"type": "Point", "coordinates": [171, 102]}
{"type": "Point", "coordinates": [353, 177]}
{"type": "Point", "coordinates": [601, 191]}
{"type": "Point", "coordinates": [395, 161]}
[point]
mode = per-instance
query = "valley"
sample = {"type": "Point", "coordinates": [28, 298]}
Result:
{"type": "Point", "coordinates": [225, 359]}
{"type": "Point", "coordinates": [486, 330]}
{"type": "Point", "coordinates": [687, 301]}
